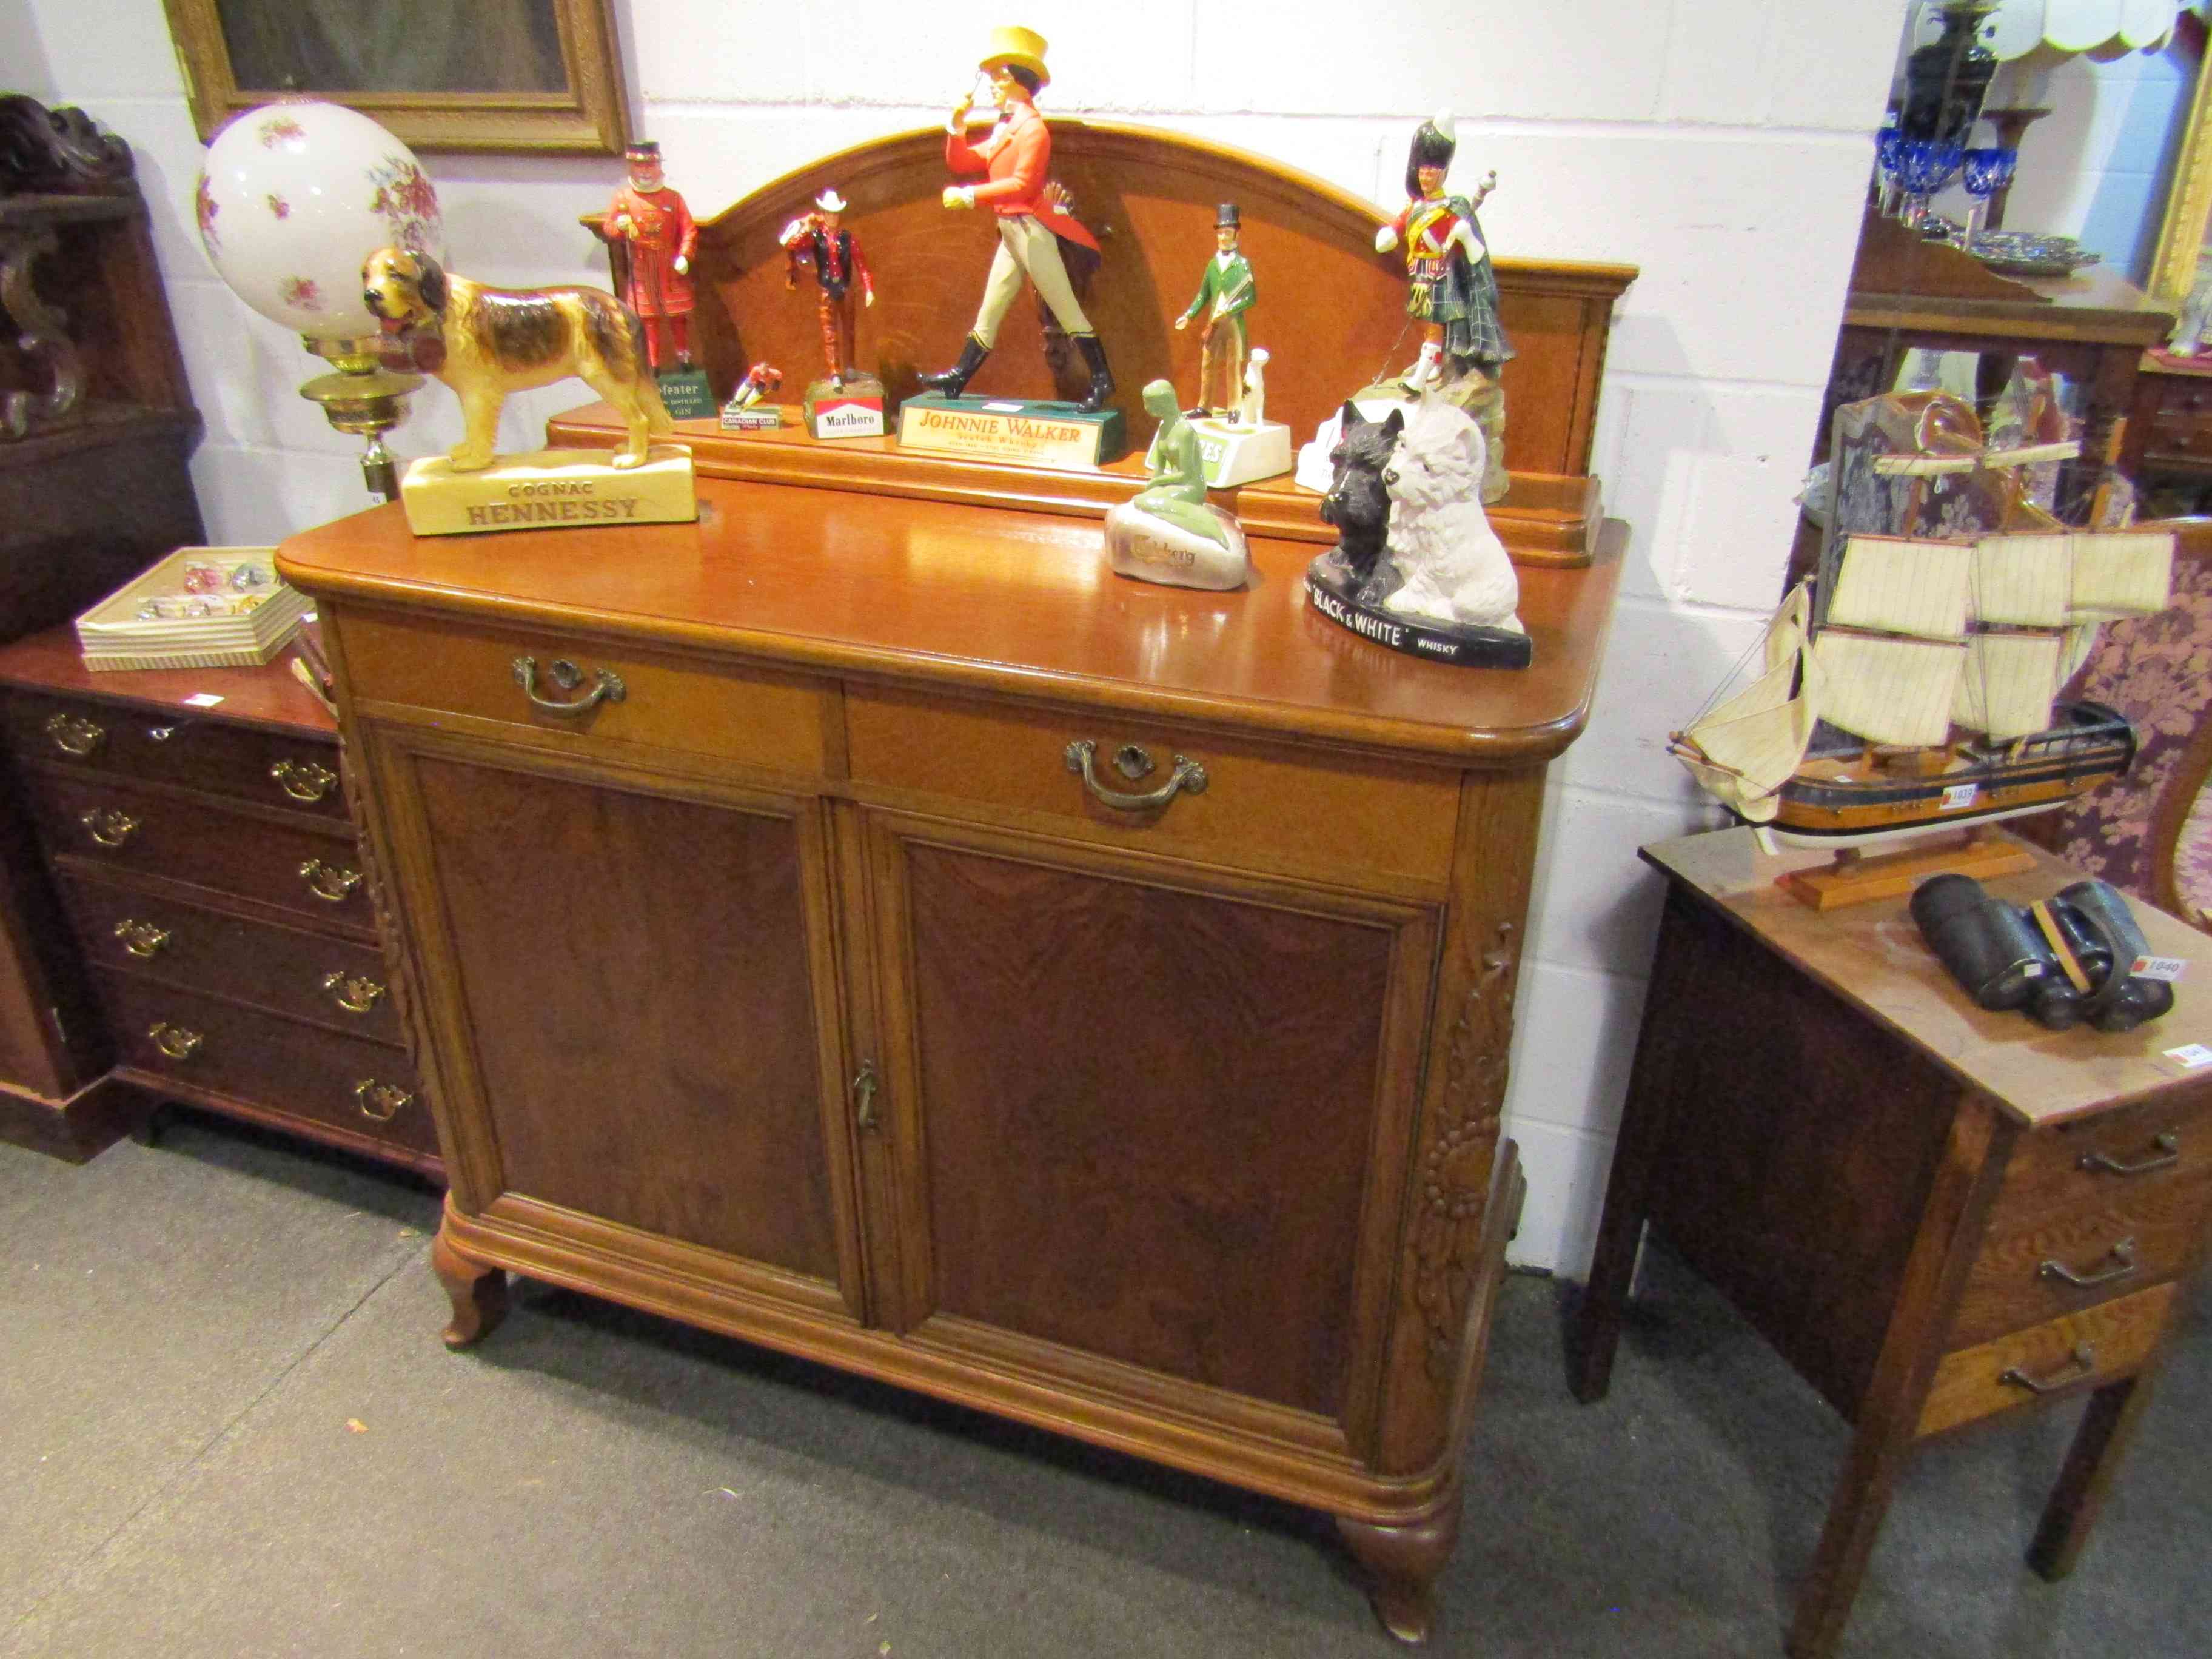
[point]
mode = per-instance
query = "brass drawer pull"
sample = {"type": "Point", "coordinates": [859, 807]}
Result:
{"type": "Point", "coordinates": [606, 686]}
{"type": "Point", "coordinates": [173, 1041]}
{"type": "Point", "coordinates": [2123, 1255]}
{"type": "Point", "coordinates": [109, 827]}
{"type": "Point", "coordinates": [1188, 777]}
{"type": "Point", "coordinates": [380, 1101]}
{"type": "Point", "coordinates": [351, 992]}
{"type": "Point", "coordinates": [303, 779]}
{"type": "Point", "coordinates": [329, 883]}
{"type": "Point", "coordinates": [142, 938]}
{"type": "Point", "coordinates": [2168, 1153]}
{"type": "Point", "coordinates": [864, 1095]}
{"type": "Point", "coordinates": [73, 734]}
{"type": "Point", "coordinates": [2081, 1363]}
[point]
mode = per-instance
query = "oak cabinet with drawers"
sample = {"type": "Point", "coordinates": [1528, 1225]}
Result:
{"type": "Point", "coordinates": [871, 928]}
{"type": "Point", "coordinates": [209, 876]}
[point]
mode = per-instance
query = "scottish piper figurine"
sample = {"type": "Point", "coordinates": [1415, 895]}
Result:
{"type": "Point", "coordinates": [1451, 287]}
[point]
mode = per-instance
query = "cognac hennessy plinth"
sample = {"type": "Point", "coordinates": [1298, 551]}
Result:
{"type": "Point", "coordinates": [1027, 432]}
{"type": "Point", "coordinates": [549, 489]}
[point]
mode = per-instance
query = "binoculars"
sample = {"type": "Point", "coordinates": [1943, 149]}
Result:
{"type": "Point", "coordinates": [2063, 960]}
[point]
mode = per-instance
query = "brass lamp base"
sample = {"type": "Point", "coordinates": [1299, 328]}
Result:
{"type": "Point", "coordinates": [366, 398]}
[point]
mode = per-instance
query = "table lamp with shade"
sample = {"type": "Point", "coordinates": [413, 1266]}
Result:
{"type": "Point", "coordinates": [293, 196]}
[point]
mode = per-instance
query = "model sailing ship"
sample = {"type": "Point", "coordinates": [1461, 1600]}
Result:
{"type": "Point", "coordinates": [1917, 683]}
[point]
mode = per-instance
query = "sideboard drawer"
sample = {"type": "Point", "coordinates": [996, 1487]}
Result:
{"type": "Point", "coordinates": [342, 1082]}
{"type": "Point", "coordinates": [110, 827]}
{"type": "Point", "coordinates": [1341, 815]}
{"type": "Point", "coordinates": [333, 982]}
{"type": "Point", "coordinates": [2113, 1157]}
{"type": "Point", "coordinates": [2078, 1350]}
{"type": "Point", "coordinates": [758, 719]}
{"type": "Point", "coordinates": [135, 744]}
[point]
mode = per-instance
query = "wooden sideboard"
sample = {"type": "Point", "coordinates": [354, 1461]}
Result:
{"type": "Point", "coordinates": [201, 874]}
{"type": "Point", "coordinates": [777, 967]}
{"type": "Point", "coordinates": [1937, 1214]}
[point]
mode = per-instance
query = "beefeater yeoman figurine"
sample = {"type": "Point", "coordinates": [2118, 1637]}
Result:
{"type": "Point", "coordinates": [1014, 162]}
{"type": "Point", "coordinates": [651, 222]}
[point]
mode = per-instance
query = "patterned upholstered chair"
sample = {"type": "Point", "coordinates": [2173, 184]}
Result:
{"type": "Point", "coordinates": [2144, 833]}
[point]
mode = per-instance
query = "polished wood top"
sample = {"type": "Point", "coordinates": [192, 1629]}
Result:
{"type": "Point", "coordinates": [269, 695]}
{"type": "Point", "coordinates": [1014, 605]}
{"type": "Point", "coordinates": [1872, 956]}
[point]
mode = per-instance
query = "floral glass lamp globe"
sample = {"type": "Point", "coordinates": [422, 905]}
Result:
{"type": "Point", "coordinates": [293, 198]}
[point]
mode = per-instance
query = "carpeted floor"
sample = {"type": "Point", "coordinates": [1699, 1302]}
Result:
{"type": "Point", "coordinates": [227, 1427]}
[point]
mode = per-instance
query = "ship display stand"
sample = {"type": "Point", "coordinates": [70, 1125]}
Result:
{"type": "Point", "coordinates": [1913, 685]}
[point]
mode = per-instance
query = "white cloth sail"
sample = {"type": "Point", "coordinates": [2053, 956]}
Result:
{"type": "Point", "coordinates": [1743, 752]}
{"type": "Point", "coordinates": [2008, 682]}
{"type": "Point", "coordinates": [1889, 690]}
{"type": "Point", "coordinates": [1903, 586]}
{"type": "Point", "coordinates": [2025, 580]}
{"type": "Point", "coordinates": [2121, 573]}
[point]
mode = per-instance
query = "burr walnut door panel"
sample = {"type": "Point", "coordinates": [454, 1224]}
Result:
{"type": "Point", "coordinates": [1147, 1120]}
{"type": "Point", "coordinates": [631, 989]}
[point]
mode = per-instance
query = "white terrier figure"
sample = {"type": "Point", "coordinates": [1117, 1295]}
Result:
{"type": "Point", "coordinates": [1252, 406]}
{"type": "Point", "coordinates": [1455, 568]}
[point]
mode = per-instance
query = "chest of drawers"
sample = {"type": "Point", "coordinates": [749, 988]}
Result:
{"type": "Point", "coordinates": [204, 865]}
{"type": "Point", "coordinates": [1938, 1215]}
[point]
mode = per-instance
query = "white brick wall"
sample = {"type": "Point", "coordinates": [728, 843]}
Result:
{"type": "Point", "coordinates": [1720, 144]}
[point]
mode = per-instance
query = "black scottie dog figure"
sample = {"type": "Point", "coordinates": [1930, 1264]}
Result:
{"type": "Point", "coordinates": [1357, 503]}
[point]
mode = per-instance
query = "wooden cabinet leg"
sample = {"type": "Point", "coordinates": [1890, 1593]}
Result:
{"type": "Point", "coordinates": [1855, 1518]}
{"type": "Point", "coordinates": [2098, 1446]}
{"type": "Point", "coordinates": [1402, 1563]}
{"type": "Point", "coordinates": [478, 1293]}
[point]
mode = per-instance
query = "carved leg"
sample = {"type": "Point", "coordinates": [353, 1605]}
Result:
{"type": "Point", "coordinates": [478, 1293]}
{"type": "Point", "coordinates": [2098, 1445]}
{"type": "Point", "coordinates": [1402, 1563]}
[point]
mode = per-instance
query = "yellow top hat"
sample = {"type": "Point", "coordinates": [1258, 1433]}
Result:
{"type": "Point", "coordinates": [1023, 48]}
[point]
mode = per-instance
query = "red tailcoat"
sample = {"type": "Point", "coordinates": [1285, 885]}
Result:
{"type": "Point", "coordinates": [1016, 157]}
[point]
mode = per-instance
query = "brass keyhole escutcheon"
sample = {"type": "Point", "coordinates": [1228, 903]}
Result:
{"type": "Point", "coordinates": [1132, 762]}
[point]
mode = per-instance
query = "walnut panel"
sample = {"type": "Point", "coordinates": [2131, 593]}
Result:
{"type": "Point", "coordinates": [1188, 1088]}
{"type": "Point", "coordinates": [636, 974]}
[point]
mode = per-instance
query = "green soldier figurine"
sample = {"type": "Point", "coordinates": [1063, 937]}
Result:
{"type": "Point", "coordinates": [1225, 294]}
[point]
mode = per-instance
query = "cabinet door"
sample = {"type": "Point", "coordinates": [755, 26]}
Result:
{"type": "Point", "coordinates": [630, 991]}
{"type": "Point", "coordinates": [1149, 1119]}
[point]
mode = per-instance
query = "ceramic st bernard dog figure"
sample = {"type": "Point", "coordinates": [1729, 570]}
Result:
{"type": "Point", "coordinates": [491, 341]}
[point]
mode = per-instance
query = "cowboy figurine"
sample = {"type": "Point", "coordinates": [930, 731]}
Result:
{"type": "Point", "coordinates": [1014, 160]}
{"type": "Point", "coordinates": [1225, 294]}
{"type": "Point", "coordinates": [815, 239]}
{"type": "Point", "coordinates": [1451, 285]}
{"type": "Point", "coordinates": [653, 223]}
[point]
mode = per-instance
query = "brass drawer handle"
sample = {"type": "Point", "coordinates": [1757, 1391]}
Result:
{"type": "Point", "coordinates": [1188, 777]}
{"type": "Point", "coordinates": [381, 1102]}
{"type": "Point", "coordinates": [142, 938]}
{"type": "Point", "coordinates": [2168, 1153]}
{"type": "Point", "coordinates": [606, 686]}
{"type": "Point", "coordinates": [2081, 1363]}
{"type": "Point", "coordinates": [2123, 1255]}
{"type": "Point", "coordinates": [329, 883]}
{"type": "Point", "coordinates": [109, 827]}
{"type": "Point", "coordinates": [864, 1095]}
{"type": "Point", "coordinates": [73, 734]}
{"type": "Point", "coordinates": [174, 1041]}
{"type": "Point", "coordinates": [303, 779]}
{"type": "Point", "coordinates": [351, 992]}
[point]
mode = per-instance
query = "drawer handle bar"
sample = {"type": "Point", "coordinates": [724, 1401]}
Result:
{"type": "Point", "coordinates": [73, 734]}
{"type": "Point", "coordinates": [2168, 1153]}
{"type": "Point", "coordinates": [142, 938]}
{"type": "Point", "coordinates": [2081, 1363]}
{"type": "Point", "coordinates": [380, 1101]}
{"type": "Point", "coordinates": [303, 779]}
{"type": "Point", "coordinates": [606, 687]}
{"type": "Point", "coordinates": [2123, 1255]}
{"type": "Point", "coordinates": [351, 992]}
{"type": "Point", "coordinates": [173, 1041]}
{"type": "Point", "coordinates": [328, 883]}
{"type": "Point", "coordinates": [109, 827]}
{"type": "Point", "coordinates": [1188, 777]}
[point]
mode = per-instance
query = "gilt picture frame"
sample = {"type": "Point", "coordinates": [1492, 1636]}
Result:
{"type": "Point", "coordinates": [529, 76]}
